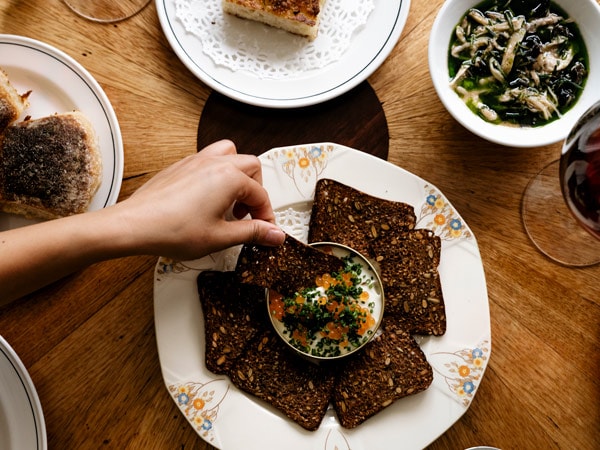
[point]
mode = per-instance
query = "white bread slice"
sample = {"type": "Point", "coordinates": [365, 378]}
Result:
{"type": "Point", "coordinates": [12, 103]}
{"type": "Point", "coordinates": [49, 167]}
{"type": "Point", "coordinates": [295, 16]}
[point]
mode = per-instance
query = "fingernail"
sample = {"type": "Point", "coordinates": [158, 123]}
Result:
{"type": "Point", "coordinates": [275, 236]}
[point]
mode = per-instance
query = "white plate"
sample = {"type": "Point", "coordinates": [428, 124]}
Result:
{"type": "Point", "coordinates": [370, 47]}
{"type": "Point", "coordinates": [229, 419]}
{"type": "Point", "coordinates": [60, 84]}
{"type": "Point", "coordinates": [21, 418]}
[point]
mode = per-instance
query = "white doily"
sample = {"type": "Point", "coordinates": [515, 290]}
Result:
{"type": "Point", "coordinates": [266, 52]}
{"type": "Point", "coordinates": [294, 222]}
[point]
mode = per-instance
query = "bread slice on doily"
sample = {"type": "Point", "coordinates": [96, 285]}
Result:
{"type": "Point", "coordinates": [295, 16]}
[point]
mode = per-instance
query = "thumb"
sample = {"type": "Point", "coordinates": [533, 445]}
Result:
{"type": "Point", "coordinates": [259, 232]}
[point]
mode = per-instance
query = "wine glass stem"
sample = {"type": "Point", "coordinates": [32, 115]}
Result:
{"type": "Point", "coordinates": [106, 11]}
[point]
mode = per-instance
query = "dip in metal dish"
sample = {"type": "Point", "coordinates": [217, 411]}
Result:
{"type": "Point", "coordinates": [338, 315]}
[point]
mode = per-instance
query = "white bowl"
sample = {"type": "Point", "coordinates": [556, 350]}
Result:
{"type": "Point", "coordinates": [586, 14]}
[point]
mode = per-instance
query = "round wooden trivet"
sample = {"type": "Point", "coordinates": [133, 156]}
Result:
{"type": "Point", "coordinates": [355, 119]}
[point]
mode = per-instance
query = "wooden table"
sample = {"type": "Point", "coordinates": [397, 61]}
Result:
{"type": "Point", "coordinates": [88, 341]}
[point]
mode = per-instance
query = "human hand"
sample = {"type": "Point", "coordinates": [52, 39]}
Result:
{"type": "Point", "coordinates": [193, 207]}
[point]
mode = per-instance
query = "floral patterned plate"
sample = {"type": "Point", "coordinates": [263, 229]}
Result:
{"type": "Point", "coordinates": [229, 419]}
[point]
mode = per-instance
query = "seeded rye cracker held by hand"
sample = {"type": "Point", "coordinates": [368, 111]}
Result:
{"type": "Point", "coordinates": [286, 269]}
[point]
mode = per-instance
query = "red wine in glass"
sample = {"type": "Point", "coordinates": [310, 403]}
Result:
{"type": "Point", "coordinates": [580, 170]}
{"type": "Point", "coordinates": [561, 204]}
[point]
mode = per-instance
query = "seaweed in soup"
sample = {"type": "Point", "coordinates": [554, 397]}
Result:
{"type": "Point", "coordinates": [522, 63]}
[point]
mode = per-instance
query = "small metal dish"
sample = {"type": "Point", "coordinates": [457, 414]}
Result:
{"type": "Point", "coordinates": [317, 345]}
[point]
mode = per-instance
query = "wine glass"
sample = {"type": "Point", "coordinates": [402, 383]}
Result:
{"type": "Point", "coordinates": [561, 205]}
{"type": "Point", "coordinates": [106, 11]}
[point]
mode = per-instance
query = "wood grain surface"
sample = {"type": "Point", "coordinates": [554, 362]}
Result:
{"type": "Point", "coordinates": [355, 119]}
{"type": "Point", "coordinates": [88, 340]}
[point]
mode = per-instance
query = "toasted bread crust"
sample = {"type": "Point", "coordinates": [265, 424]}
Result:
{"type": "Point", "coordinates": [49, 167]}
{"type": "Point", "coordinates": [12, 103]}
{"type": "Point", "coordinates": [295, 16]}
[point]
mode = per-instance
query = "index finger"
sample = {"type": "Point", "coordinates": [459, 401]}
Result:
{"type": "Point", "coordinates": [248, 164]}
{"type": "Point", "coordinates": [253, 199]}
{"type": "Point", "coordinates": [219, 148]}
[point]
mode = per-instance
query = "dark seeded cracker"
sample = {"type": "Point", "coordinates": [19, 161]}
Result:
{"type": "Point", "coordinates": [409, 263]}
{"type": "Point", "coordinates": [271, 371]}
{"type": "Point", "coordinates": [348, 216]}
{"type": "Point", "coordinates": [233, 314]}
{"type": "Point", "coordinates": [287, 269]}
{"type": "Point", "coordinates": [392, 366]}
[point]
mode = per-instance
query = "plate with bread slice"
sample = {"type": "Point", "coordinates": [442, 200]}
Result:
{"type": "Point", "coordinates": [61, 150]}
{"type": "Point", "coordinates": [282, 54]}
{"type": "Point", "coordinates": [240, 386]}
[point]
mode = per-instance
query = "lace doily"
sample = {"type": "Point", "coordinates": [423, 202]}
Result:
{"type": "Point", "coordinates": [294, 222]}
{"type": "Point", "coordinates": [266, 52]}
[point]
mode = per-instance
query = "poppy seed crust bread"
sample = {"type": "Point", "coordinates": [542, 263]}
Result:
{"type": "Point", "coordinates": [295, 16]}
{"type": "Point", "coordinates": [12, 103]}
{"type": "Point", "coordinates": [49, 167]}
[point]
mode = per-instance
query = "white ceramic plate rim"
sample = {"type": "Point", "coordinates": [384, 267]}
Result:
{"type": "Point", "coordinates": [60, 84]}
{"type": "Point", "coordinates": [587, 16]}
{"type": "Point", "coordinates": [229, 419]}
{"type": "Point", "coordinates": [19, 404]}
{"type": "Point", "coordinates": [370, 47]}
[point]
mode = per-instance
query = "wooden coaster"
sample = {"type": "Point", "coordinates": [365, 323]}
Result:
{"type": "Point", "coordinates": [355, 119]}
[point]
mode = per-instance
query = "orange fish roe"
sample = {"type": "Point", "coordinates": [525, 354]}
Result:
{"type": "Point", "coordinates": [332, 318]}
{"type": "Point", "coordinates": [276, 305]}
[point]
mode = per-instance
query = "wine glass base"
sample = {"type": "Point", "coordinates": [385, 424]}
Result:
{"type": "Point", "coordinates": [551, 226]}
{"type": "Point", "coordinates": [106, 11]}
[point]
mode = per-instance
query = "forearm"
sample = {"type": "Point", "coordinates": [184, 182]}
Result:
{"type": "Point", "coordinates": [36, 255]}
{"type": "Point", "coordinates": [183, 213]}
